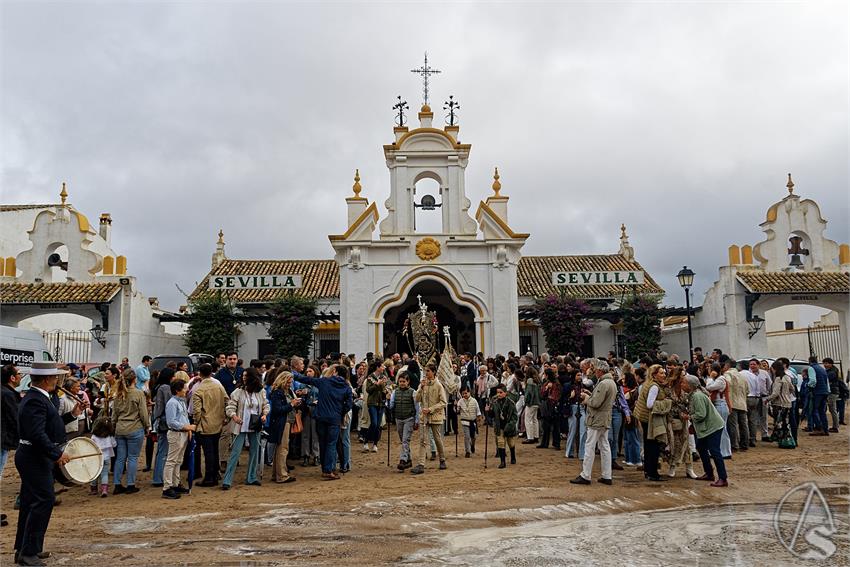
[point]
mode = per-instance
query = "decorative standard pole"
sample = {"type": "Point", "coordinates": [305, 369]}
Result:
{"type": "Point", "coordinates": [686, 280]}
{"type": "Point", "coordinates": [425, 71]}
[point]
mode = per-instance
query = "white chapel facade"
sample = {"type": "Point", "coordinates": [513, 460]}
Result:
{"type": "Point", "coordinates": [470, 271]}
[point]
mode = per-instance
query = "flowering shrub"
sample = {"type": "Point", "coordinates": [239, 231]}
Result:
{"type": "Point", "coordinates": [563, 320]}
{"type": "Point", "coordinates": [641, 325]}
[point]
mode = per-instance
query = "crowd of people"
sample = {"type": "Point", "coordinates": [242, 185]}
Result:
{"type": "Point", "coordinates": [659, 413]}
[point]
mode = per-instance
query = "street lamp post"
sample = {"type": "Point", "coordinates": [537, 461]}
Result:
{"type": "Point", "coordinates": [686, 280]}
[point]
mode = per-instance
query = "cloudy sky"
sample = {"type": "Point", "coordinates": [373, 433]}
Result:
{"type": "Point", "coordinates": [679, 119]}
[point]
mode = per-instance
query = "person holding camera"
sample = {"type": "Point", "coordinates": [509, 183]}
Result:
{"type": "Point", "coordinates": [247, 410]}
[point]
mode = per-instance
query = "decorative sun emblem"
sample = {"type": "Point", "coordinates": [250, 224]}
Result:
{"type": "Point", "coordinates": [427, 248]}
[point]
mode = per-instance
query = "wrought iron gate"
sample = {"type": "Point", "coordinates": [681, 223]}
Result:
{"type": "Point", "coordinates": [68, 346]}
{"type": "Point", "coordinates": [825, 341]}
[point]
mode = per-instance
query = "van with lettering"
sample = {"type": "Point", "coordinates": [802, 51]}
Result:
{"type": "Point", "coordinates": [22, 347]}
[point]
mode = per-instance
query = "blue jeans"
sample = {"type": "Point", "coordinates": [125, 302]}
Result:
{"type": "Point", "coordinates": [614, 433]}
{"type": "Point", "coordinates": [710, 445]}
{"type": "Point", "coordinates": [127, 455]}
{"type": "Point", "coordinates": [345, 459]}
{"type": "Point", "coordinates": [819, 412]}
{"type": "Point", "coordinates": [571, 434]}
{"type": "Point", "coordinates": [328, 436]}
{"type": "Point", "coordinates": [631, 445]}
{"type": "Point", "coordinates": [375, 415]}
{"type": "Point", "coordinates": [236, 450]}
{"type": "Point", "coordinates": [161, 454]}
{"type": "Point", "coordinates": [4, 455]}
{"type": "Point", "coordinates": [104, 472]}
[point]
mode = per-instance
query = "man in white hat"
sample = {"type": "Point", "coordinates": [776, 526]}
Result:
{"type": "Point", "coordinates": [42, 431]}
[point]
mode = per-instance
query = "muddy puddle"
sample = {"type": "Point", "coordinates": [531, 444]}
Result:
{"type": "Point", "coordinates": [735, 534]}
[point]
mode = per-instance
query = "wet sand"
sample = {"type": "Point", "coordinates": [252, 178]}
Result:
{"type": "Point", "coordinates": [375, 515]}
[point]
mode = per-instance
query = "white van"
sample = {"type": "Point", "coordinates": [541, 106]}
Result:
{"type": "Point", "coordinates": [22, 347]}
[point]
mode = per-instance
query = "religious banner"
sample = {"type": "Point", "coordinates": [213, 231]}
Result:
{"type": "Point", "coordinates": [633, 277]}
{"type": "Point", "coordinates": [256, 282]}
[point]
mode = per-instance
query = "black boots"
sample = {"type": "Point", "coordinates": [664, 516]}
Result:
{"type": "Point", "coordinates": [513, 455]}
{"type": "Point", "coordinates": [501, 454]}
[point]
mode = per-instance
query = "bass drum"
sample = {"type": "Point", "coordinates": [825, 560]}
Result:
{"type": "Point", "coordinates": [85, 464]}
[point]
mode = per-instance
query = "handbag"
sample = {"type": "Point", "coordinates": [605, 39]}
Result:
{"type": "Point", "coordinates": [298, 426]}
{"type": "Point", "coordinates": [255, 424]}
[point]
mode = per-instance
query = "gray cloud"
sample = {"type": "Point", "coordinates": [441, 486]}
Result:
{"type": "Point", "coordinates": [680, 120]}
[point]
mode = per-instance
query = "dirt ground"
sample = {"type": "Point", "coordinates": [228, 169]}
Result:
{"type": "Point", "coordinates": [375, 515]}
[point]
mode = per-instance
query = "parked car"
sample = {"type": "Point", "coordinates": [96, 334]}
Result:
{"type": "Point", "coordinates": [193, 360]}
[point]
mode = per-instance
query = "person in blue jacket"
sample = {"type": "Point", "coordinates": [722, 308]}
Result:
{"type": "Point", "coordinates": [334, 402]}
{"type": "Point", "coordinates": [821, 393]}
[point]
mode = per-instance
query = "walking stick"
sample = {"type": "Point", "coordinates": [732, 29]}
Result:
{"type": "Point", "coordinates": [486, 442]}
{"type": "Point", "coordinates": [389, 441]}
{"type": "Point", "coordinates": [456, 436]}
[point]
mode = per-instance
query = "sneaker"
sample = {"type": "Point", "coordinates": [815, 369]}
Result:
{"type": "Point", "coordinates": [365, 448]}
{"type": "Point", "coordinates": [104, 490]}
{"type": "Point", "coordinates": [579, 480]}
{"type": "Point", "coordinates": [170, 494]}
{"type": "Point", "coordinates": [607, 481]}
{"type": "Point", "coordinates": [225, 487]}
{"type": "Point", "coordinates": [443, 465]}
{"type": "Point", "coordinates": [374, 448]}
{"type": "Point", "coordinates": [418, 469]}
{"type": "Point", "coordinates": [131, 489]}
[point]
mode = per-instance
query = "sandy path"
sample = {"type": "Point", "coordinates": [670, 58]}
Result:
{"type": "Point", "coordinates": [377, 515]}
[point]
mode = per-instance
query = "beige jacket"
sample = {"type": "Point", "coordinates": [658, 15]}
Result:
{"type": "Point", "coordinates": [739, 389]}
{"type": "Point", "coordinates": [208, 401]}
{"type": "Point", "coordinates": [236, 407]}
{"type": "Point", "coordinates": [434, 398]}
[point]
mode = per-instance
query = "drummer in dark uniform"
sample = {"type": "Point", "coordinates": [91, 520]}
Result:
{"type": "Point", "coordinates": [42, 433]}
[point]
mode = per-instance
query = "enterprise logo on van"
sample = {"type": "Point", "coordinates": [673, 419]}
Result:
{"type": "Point", "coordinates": [16, 357]}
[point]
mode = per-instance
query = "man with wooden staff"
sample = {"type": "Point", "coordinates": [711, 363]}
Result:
{"type": "Point", "coordinates": [432, 400]}
{"type": "Point", "coordinates": [42, 431]}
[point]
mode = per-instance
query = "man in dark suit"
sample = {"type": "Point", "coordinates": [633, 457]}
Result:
{"type": "Point", "coordinates": [9, 418]}
{"type": "Point", "coordinates": [42, 431]}
{"type": "Point", "coordinates": [471, 370]}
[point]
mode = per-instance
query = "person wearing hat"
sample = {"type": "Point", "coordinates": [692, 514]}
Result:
{"type": "Point", "coordinates": [42, 431]}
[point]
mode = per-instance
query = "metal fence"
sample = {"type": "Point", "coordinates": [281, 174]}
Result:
{"type": "Point", "coordinates": [68, 346]}
{"type": "Point", "coordinates": [825, 341]}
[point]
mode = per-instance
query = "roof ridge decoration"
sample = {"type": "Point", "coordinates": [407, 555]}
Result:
{"type": "Point", "coordinates": [368, 219]}
{"type": "Point", "coordinates": [493, 226]}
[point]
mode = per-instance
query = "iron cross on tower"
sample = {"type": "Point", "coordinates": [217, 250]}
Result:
{"type": "Point", "coordinates": [425, 71]}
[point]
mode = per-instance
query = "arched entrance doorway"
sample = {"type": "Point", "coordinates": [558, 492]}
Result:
{"type": "Point", "coordinates": [459, 318]}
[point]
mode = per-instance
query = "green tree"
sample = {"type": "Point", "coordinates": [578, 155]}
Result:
{"type": "Point", "coordinates": [293, 323]}
{"type": "Point", "coordinates": [563, 320]}
{"type": "Point", "coordinates": [641, 325]}
{"type": "Point", "coordinates": [212, 324]}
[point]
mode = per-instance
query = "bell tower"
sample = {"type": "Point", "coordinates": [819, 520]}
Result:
{"type": "Point", "coordinates": [427, 152]}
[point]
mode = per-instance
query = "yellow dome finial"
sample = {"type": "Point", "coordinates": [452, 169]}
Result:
{"type": "Point", "coordinates": [221, 236]}
{"type": "Point", "coordinates": [497, 185]}
{"type": "Point", "coordinates": [425, 108]}
{"type": "Point", "coordinates": [357, 188]}
{"type": "Point", "coordinates": [790, 185]}
{"type": "Point", "coordinates": [63, 194]}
